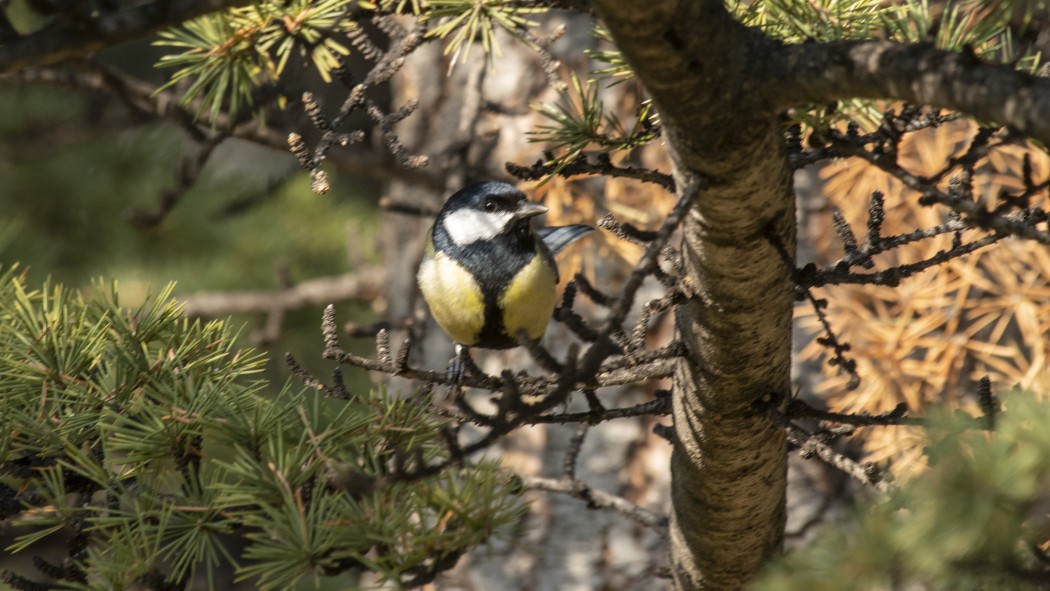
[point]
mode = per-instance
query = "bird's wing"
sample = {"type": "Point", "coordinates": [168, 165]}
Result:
{"type": "Point", "coordinates": [558, 237]}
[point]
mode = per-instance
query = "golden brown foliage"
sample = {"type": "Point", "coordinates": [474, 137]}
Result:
{"type": "Point", "coordinates": [929, 340]}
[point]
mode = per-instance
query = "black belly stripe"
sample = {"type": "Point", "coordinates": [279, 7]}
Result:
{"type": "Point", "coordinates": [513, 250]}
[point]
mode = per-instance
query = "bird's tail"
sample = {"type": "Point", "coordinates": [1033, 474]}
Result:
{"type": "Point", "coordinates": [558, 237]}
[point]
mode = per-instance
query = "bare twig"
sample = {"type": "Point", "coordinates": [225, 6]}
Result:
{"type": "Point", "coordinates": [572, 452]}
{"type": "Point", "coordinates": [810, 445]}
{"type": "Point", "coordinates": [402, 43]}
{"type": "Point", "coordinates": [810, 276]}
{"type": "Point", "coordinates": [311, 382]}
{"type": "Point", "coordinates": [831, 341]}
{"type": "Point", "coordinates": [625, 231]}
{"type": "Point", "coordinates": [660, 406]}
{"type": "Point", "coordinates": [361, 284]}
{"type": "Point", "coordinates": [583, 166]}
{"type": "Point", "coordinates": [598, 499]}
{"type": "Point", "coordinates": [798, 409]}
{"type": "Point", "coordinates": [973, 214]}
{"type": "Point", "coordinates": [140, 97]}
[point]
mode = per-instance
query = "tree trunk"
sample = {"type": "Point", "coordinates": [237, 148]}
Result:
{"type": "Point", "coordinates": [729, 465]}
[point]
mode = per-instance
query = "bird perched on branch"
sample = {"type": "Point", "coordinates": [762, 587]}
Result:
{"type": "Point", "coordinates": [487, 275]}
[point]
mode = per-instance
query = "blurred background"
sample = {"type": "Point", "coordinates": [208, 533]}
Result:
{"type": "Point", "coordinates": [92, 187]}
{"type": "Point", "coordinates": [102, 178]}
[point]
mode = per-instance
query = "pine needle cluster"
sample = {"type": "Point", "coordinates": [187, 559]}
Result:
{"type": "Point", "coordinates": [987, 30]}
{"type": "Point", "coordinates": [975, 521]}
{"type": "Point", "coordinates": [227, 58]}
{"type": "Point", "coordinates": [143, 442]}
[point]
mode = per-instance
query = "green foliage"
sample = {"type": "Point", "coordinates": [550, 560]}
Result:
{"type": "Point", "coordinates": [820, 20]}
{"type": "Point", "coordinates": [147, 436]}
{"type": "Point", "coordinates": [68, 188]}
{"type": "Point", "coordinates": [466, 21]}
{"type": "Point", "coordinates": [974, 521]}
{"type": "Point", "coordinates": [985, 28]}
{"type": "Point", "coordinates": [617, 69]}
{"type": "Point", "coordinates": [229, 54]}
{"type": "Point", "coordinates": [580, 122]}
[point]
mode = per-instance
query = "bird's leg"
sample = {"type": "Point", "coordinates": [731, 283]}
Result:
{"type": "Point", "coordinates": [457, 366]}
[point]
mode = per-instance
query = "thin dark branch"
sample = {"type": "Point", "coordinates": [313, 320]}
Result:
{"type": "Point", "coordinates": [831, 341]}
{"type": "Point", "coordinates": [572, 452]}
{"type": "Point", "coordinates": [403, 42]}
{"type": "Point", "coordinates": [140, 98]}
{"type": "Point", "coordinates": [972, 212]}
{"type": "Point", "coordinates": [625, 231]}
{"type": "Point", "coordinates": [648, 262]}
{"type": "Point", "coordinates": [64, 39]}
{"type": "Point", "coordinates": [189, 170]}
{"type": "Point", "coordinates": [798, 409]}
{"type": "Point", "coordinates": [809, 276]}
{"type": "Point", "coordinates": [582, 165]}
{"type": "Point", "coordinates": [658, 407]}
{"type": "Point", "coordinates": [811, 445]}
{"type": "Point", "coordinates": [310, 381]}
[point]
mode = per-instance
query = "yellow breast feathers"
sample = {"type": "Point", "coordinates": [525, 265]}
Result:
{"type": "Point", "coordinates": [455, 300]}
{"type": "Point", "coordinates": [528, 301]}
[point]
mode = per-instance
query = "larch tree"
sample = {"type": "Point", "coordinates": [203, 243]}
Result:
{"type": "Point", "coordinates": [734, 97]}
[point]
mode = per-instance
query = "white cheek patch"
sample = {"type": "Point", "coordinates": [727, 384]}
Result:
{"type": "Point", "coordinates": [465, 226]}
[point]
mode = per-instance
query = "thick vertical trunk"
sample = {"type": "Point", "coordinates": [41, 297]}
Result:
{"type": "Point", "coordinates": [729, 465]}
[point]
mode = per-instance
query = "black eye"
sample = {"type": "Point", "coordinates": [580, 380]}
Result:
{"type": "Point", "coordinates": [489, 205]}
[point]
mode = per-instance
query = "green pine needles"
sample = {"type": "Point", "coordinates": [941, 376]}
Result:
{"type": "Point", "coordinates": [227, 57]}
{"type": "Point", "coordinates": [144, 443]}
{"type": "Point", "coordinates": [976, 520]}
{"type": "Point", "coordinates": [580, 122]}
{"type": "Point", "coordinates": [978, 26]}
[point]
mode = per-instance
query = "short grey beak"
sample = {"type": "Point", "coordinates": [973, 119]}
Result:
{"type": "Point", "coordinates": [529, 209]}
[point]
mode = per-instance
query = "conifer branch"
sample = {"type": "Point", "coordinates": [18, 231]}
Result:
{"type": "Point", "coordinates": [63, 39]}
{"type": "Point", "coordinates": [820, 73]}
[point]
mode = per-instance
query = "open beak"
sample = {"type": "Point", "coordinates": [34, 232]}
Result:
{"type": "Point", "coordinates": [527, 209]}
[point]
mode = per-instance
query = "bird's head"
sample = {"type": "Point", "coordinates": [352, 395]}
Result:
{"type": "Point", "coordinates": [485, 210]}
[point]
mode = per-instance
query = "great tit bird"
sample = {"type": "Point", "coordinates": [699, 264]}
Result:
{"type": "Point", "coordinates": [486, 274]}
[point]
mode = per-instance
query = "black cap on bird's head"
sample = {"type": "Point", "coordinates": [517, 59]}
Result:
{"type": "Point", "coordinates": [491, 197]}
{"type": "Point", "coordinates": [483, 210]}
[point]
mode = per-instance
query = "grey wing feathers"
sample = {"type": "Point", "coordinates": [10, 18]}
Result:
{"type": "Point", "coordinates": [558, 237]}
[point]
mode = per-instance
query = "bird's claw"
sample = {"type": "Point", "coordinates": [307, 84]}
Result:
{"type": "Point", "coordinates": [457, 366]}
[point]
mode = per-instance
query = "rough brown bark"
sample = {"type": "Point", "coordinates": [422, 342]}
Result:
{"type": "Point", "coordinates": [796, 75]}
{"type": "Point", "coordinates": [729, 464]}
